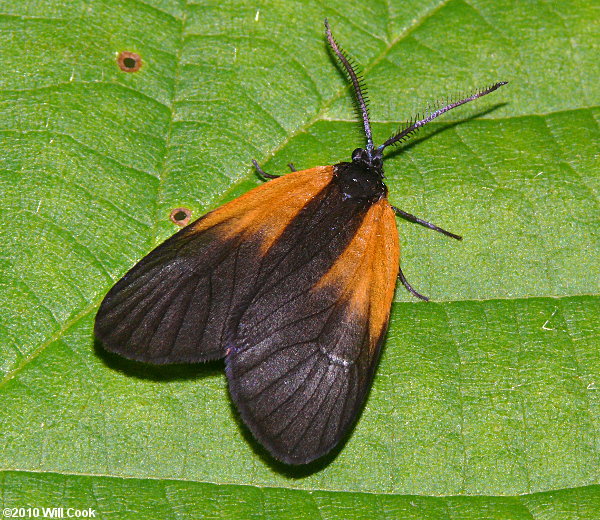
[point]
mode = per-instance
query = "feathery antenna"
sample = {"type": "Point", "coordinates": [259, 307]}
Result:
{"type": "Point", "coordinates": [356, 83]}
{"type": "Point", "coordinates": [415, 125]}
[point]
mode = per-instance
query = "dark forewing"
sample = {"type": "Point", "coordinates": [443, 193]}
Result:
{"type": "Point", "coordinates": [182, 301]}
{"type": "Point", "coordinates": [306, 345]}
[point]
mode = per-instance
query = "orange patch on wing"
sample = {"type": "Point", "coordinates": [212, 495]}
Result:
{"type": "Point", "coordinates": [266, 210]}
{"type": "Point", "coordinates": [365, 273]}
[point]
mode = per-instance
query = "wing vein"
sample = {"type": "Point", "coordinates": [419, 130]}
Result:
{"type": "Point", "coordinates": [300, 386]}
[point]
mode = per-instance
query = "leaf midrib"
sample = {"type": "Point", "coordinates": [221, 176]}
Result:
{"type": "Point", "coordinates": [289, 486]}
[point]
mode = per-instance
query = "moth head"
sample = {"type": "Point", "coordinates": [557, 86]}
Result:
{"type": "Point", "coordinates": [371, 160]}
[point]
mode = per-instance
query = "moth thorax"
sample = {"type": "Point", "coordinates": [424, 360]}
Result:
{"type": "Point", "coordinates": [359, 182]}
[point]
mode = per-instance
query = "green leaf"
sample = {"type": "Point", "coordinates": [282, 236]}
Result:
{"type": "Point", "coordinates": [159, 499]}
{"type": "Point", "coordinates": [491, 390]}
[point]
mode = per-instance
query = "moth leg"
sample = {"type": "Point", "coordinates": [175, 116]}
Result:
{"type": "Point", "coordinates": [416, 220]}
{"type": "Point", "coordinates": [263, 173]}
{"type": "Point", "coordinates": [292, 167]}
{"type": "Point", "coordinates": [408, 286]}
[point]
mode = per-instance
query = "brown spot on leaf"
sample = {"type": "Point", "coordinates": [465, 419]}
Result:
{"type": "Point", "coordinates": [129, 61]}
{"type": "Point", "coordinates": [180, 216]}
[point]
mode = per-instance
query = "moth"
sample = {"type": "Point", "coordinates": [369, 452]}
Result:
{"type": "Point", "coordinates": [291, 283]}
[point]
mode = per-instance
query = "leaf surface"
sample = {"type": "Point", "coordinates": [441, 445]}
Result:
{"type": "Point", "coordinates": [490, 390]}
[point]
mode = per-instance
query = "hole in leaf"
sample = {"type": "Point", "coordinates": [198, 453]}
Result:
{"type": "Point", "coordinates": [180, 216]}
{"type": "Point", "coordinates": [129, 61]}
